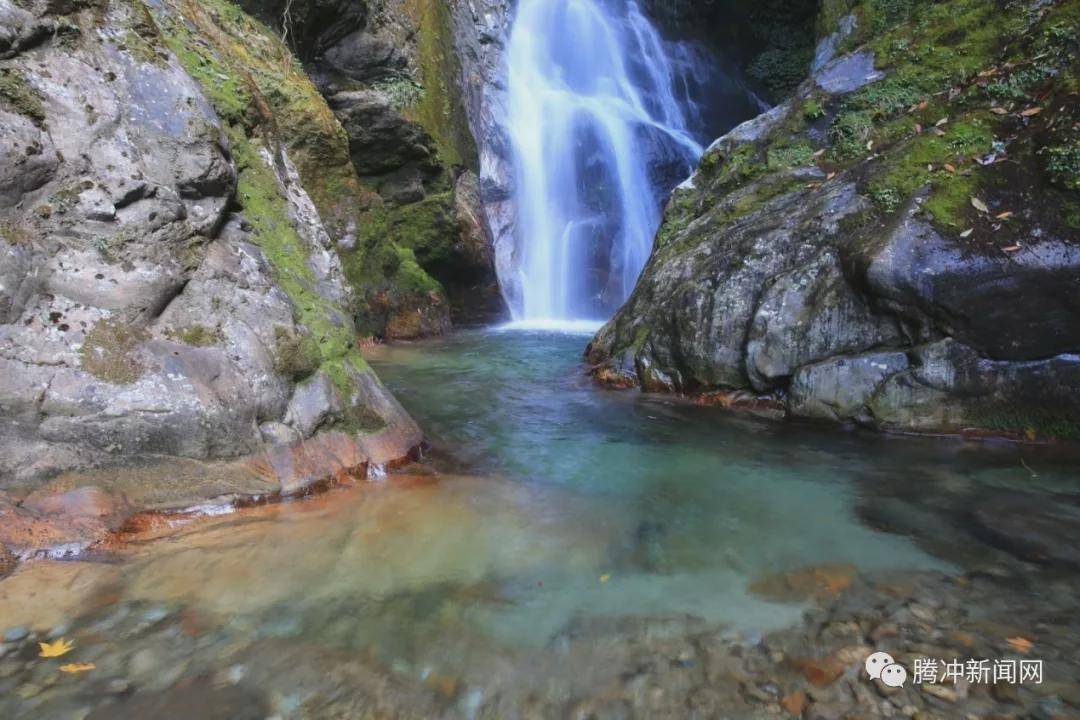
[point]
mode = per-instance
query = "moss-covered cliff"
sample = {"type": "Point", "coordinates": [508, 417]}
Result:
{"type": "Point", "coordinates": [390, 71]}
{"type": "Point", "coordinates": [896, 244]}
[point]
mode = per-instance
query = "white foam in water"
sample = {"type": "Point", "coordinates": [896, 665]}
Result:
{"type": "Point", "coordinates": [575, 327]}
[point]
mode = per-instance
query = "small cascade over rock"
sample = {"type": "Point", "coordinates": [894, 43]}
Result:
{"type": "Point", "coordinates": [604, 117]}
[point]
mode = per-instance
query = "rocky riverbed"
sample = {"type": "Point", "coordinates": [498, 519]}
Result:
{"type": "Point", "coordinates": [192, 619]}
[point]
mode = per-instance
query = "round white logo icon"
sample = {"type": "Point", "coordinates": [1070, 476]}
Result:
{"type": "Point", "coordinates": [878, 662]}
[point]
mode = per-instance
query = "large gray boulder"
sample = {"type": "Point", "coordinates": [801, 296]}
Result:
{"type": "Point", "coordinates": [797, 265]}
{"type": "Point", "coordinates": [143, 319]}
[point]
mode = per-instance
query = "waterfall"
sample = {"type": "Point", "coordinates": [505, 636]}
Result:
{"type": "Point", "coordinates": [602, 123]}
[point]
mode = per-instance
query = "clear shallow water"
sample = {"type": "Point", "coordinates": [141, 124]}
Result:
{"type": "Point", "coordinates": [551, 511]}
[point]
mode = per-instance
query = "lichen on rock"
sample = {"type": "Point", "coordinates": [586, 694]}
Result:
{"type": "Point", "coordinates": [168, 275]}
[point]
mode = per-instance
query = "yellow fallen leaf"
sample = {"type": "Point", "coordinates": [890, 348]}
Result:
{"type": "Point", "coordinates": [55, 649]}
{"type": "Point", "coordinates": [979, 205]}
{"type": "Point", "coordinates": [1031, 111]}
{"type": "Point", "coordinates": [604, 578]}
{"type": "Point", "coordinates": [77, 667]}
{"type": "Point", "coordinates": [1005, 215]}
{"type": "Point", "coordinates": [1020, 644]}
{"type": "Point", "coordinates": [950, 168]}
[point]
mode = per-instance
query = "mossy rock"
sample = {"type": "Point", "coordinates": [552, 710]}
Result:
{"type": "Point", "coordinates": [110, 352]}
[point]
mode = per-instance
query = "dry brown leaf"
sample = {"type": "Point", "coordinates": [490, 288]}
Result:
{"type": "Point", "coordinates": [1010, 249]}
{"type": "Point", "coordinates": [941, 122]}
{"type": "Point", "coordinates": [950, 168]}
{"type": "Point", "coordinates": [979, 205]}
{"type": "Point", "coordinates": [1020, 644]}
{"type": "Point", "coordinates": [1031, 111]}
{"type": "Point", "coordinates": [1005, 215]}
{"type": "Point", "coordinates": [830, 176]}
{"type": "Point", "coordinates": [819, 153]}
{"type": "Point", "coordinates": [999, 110]}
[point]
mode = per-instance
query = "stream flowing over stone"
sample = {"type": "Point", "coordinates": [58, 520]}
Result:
{"type": "Point", "coordinates": [602, 122]}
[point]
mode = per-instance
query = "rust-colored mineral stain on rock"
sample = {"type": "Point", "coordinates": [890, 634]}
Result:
{"type": "Point", "coordinates": [326, 459]}
{"type": "Point", "coordinates": [614, 379]}
{"type": "Point", "coordinates": [812, 583]}
{"type": "Point", "coordinates": [820, 671]}
{"type": "Point", "coordinates": [795, 703]}
{"type": "Point", "coordinates": [8, 561]}
{"type": "Point", "coordinates": [81, 502]}
{"type": "Point", "coordinates": [27, 532]}
{"type": "Point", "coordinates": [743, 401]}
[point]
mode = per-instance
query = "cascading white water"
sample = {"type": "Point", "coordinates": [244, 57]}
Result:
{"type": "Point", "coordinates": [597, 102]}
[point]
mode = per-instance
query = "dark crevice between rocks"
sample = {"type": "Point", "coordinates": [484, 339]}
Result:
{"type": "Point", "coordinates": [772, 41]}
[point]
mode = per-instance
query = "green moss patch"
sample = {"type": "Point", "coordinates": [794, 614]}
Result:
{"type": "Point", "coordinates": [18, 97]}
{"type": "Point", "coordinates": [296, 354]}
{"type": "Point", "coordinates": [440, 108]}
{"type": "Point", "coordinates": [197, 335]}
{"type": "Point", "coordinates": [265, 207]}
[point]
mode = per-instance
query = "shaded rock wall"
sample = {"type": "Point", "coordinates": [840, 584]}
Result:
{"type": "Point", "coordinates": [896, 244]}
{"type": "Point", "coordinates": [390, 71]}
{"type": "Point", "coordinates": [172, 191]}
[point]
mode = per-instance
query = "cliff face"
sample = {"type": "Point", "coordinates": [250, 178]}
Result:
{"type": "Point", "coordinates": [420, 251]}
{"type": "Point", "coordinates": [895, 245]}
{"type": "Point", "coordinates": [172, 188]}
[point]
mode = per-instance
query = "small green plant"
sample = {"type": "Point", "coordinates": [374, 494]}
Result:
{"type": "Point", "coordinates": [813, 110]}
{"type": "Point", "coordinates": [1063, 165]}
{"type": "Point", "coordinates": [401, 92]}
{"type": "Point", "coordinates": [197, 335]}
{"type": "Point", "coordinates": [797, 155]}
{"type": "Point", "coordinates": [887, 199]}
{"type": "Point", "coordinates": [850, 133]}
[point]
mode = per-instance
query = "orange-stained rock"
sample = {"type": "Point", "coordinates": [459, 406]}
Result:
{"type": "Point", "coordinates": [743, 401]}
{"type": "Point", "coordinates": [795, 703]}
{"type": "Point", "coordinates": [81, 502]}
{"type": "Point", "coordinates": [327, 458]}
{"type": "Point", "coordinates": [27, 532]}
{"type": "Point", "coordinates": [820, 671]}
{"type": "Point", "coordinates": [818, 582]}
{"type": "Point", "coordinates": [8, 561]}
